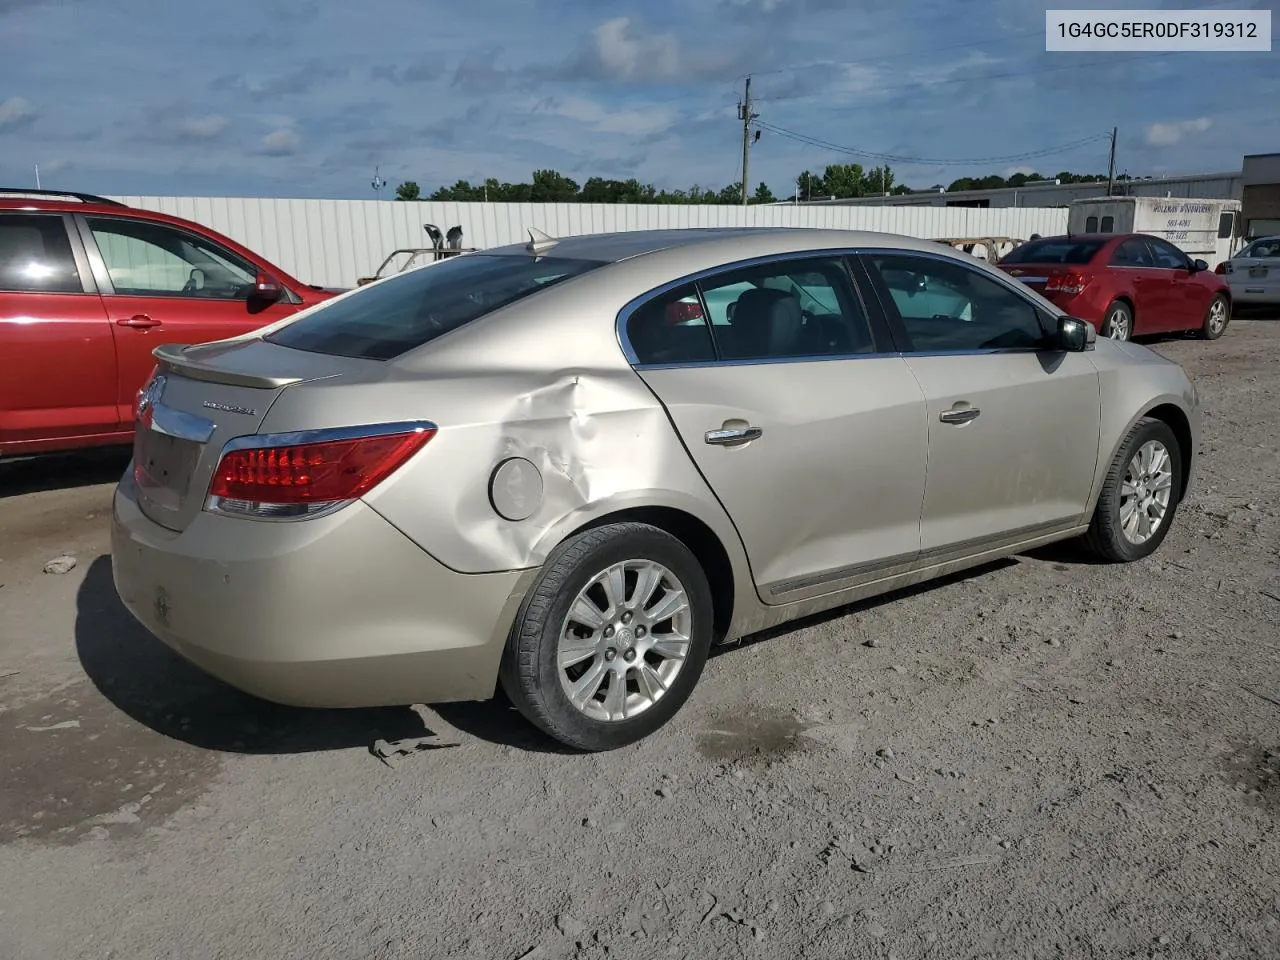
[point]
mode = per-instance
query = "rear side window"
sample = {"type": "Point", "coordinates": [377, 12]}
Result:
{"type": "Point", "coordinates": [1059, 250]}
{"type": "Point", "coordinates": [384, 320]}
{"type": "Point", "coordinates": [671, 329]}
{"type": "Point", "coordinates": [35, 255]}
{"type": "Point", "coordinates": [1131, 253]}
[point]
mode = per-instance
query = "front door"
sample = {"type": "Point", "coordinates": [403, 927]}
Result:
{"type": "Point", "coordinates": [1013, 427]}
{"type": "Point", "coordinates": [57, 357]}
{"type": "Point", "coordinates": [168, 285]}
{"type": "Point", "coordinates": [1185, 299]}
{"type": "Point", "coordinates": [812, 439]}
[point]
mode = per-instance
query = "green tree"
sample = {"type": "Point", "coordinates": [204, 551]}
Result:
{"type": "Point", "coordinates": [844, 180]}
{"type": "Point", "coordinates": [408, 191]}
{"type": "Point", "coordinates": [763, 194]}
{"type": "Point", "coordinates": [551, 187]}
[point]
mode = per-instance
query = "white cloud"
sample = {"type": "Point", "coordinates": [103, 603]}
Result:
{"type": "Point", "coordinates": [280, 143]}
{"type": "Point", "coordinates": [1168, 134]}
{"type": "Point", "coordinates": [16, 111]}
{"type": "Point", "coordinates": [627, 52]}
{"type": "Point", "coordinates": [631, 121]}
{"type": "Point", "coordinates": [203, 128]}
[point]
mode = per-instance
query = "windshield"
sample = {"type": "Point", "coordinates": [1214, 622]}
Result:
{"type": "Point", "coordinates": [1056, 250]}
{"type": "Point", "coordinates": [389, 318]}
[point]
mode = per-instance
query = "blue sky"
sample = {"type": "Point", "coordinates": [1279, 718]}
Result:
{"type": "Point", "coordinates": [305, 97]}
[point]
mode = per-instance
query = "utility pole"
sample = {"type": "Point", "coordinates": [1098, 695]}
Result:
{"type": "Point", "coordinates": [746, 116]}
{"type": "Point", "coordinates": [1111, 165]}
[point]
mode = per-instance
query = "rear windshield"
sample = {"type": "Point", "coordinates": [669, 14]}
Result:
{"type": "Point", "coordinates": [1054, 251]}
{"type": "Point", "coordinates": [387, 319]}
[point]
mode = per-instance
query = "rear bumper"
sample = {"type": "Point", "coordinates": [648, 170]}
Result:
{"type": "Point", "coordinates": [343, 611]}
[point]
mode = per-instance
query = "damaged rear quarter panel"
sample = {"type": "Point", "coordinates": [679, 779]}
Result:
{"type": "Point", "coordinates": [546, 381]}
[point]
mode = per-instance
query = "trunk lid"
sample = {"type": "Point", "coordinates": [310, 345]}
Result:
{"type": "Point", "coordinates": [200, 398]}
{"type": "Point", "coordinates": [1037, 275]}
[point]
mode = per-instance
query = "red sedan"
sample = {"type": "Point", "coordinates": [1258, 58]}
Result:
{"type": "Point", "coordinates": [1125, 284]}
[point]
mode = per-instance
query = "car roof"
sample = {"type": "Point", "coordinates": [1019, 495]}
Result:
{"type": "Point", "coordinates": [729, 243]}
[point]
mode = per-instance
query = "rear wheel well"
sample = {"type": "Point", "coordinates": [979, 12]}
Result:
{"type": "Point", "coordinates": [700, 539]}
{"type": "Point", "coordinates": [1177, 421]}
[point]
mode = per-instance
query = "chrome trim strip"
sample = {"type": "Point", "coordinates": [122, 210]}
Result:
{"type": "Point", "coordinates": [859, 573]}
{"type": "Point", "coordinates": [827, 357]}
{"type": "Point", "coordinates": [254, 441]}
{"type": "Point", "coordinates": [179, 424]}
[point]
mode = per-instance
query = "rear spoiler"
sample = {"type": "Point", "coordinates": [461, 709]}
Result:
{"type": "Point", "coordinates": [182, 359]}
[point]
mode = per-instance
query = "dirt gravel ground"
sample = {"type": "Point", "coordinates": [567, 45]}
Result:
{"type": "Point", "coordinates": [1044, 758]}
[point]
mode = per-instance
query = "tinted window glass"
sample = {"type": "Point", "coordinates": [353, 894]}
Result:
{"type": "Point", "coordinates": [1166, 255]}
{"type": "Point", "coordinates": [1131, 253]}
{"type": "Point", "coordinates": [946, 306]}
{"type": "Point", "coordinates": [1055, 250]}
{"type": "Point", "coordinates": [1108, 224]}
{"type": "Point", "coordinates": [387, 319]}
{"type": "Point", "coordinates": [153, 260]}
{"type": "Point", "coordinates": [793, 308]}
{"type": "Point", "coordinates": [35, 255]}
{"type": "Point", "coordinates": [671, 329]}
{"type": "Point", "coordinates": [1091, 225]}
{"type": "Point", "coordinates": [1226, 225]}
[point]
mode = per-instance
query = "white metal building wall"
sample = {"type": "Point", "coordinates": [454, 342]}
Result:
{"type": "Point", "coordinates": [332, 242]}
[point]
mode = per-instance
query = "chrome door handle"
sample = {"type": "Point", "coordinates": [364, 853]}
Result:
{"type": "Point", "coordinates": [960, 416]}
{"type": "Point", "coordinates": [731, 437]}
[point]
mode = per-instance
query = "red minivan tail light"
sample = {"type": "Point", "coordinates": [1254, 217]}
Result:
{"type": "Point", "coordinates": [294, 476]}
{"type": "Point", "coordinates": [1070, 283]}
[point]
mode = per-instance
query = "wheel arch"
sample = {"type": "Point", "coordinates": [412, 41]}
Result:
{"type": "Point", "coordinates": [694, 533]}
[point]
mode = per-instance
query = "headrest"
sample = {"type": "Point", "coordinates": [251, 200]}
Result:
{"type": "Point", "coordinates": [769, 321]}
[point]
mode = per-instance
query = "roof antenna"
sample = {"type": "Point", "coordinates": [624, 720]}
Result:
{"type": "Point", "coordinates": [539, 241]}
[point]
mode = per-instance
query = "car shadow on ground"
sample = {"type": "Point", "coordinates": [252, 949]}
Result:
{"type": "Point", "coordinates": [157, 688]}
{"type": "Point", "coordinates": [61, 471]}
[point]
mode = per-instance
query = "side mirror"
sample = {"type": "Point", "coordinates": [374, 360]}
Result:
{"type": "Point", "coordinates": [266, 288]}
{"type": "Point", "coordinates": [1197, 265]}
{"type": "Point", "coordinates": [1075, 336]}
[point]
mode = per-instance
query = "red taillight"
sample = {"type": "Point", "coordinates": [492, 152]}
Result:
{"type": "Point", "coordinates": [1071, 283]}
{"type": "Point", "coordinates": [1221, 268]}
{"type": "Point", "coordinates": [300, 479]}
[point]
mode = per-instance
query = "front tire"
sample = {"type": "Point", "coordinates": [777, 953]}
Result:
{"type": "Point", "coordinates": [1216, 319]}
{"type": "Point", "coordinates": [1118, 324]}
{"type": "Point", "coordinates": [1140, 495]}
{"type": "Point", "coordinates": [611, 639]}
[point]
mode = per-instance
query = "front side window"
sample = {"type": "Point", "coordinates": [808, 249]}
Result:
{"type": "Point", "coordinates": [671, 328]}
{"type": "Point", "coordinates": [792, 308]}
{"type": "Point", "coordinates": [947, 306]}
{"type": "Point", "coordinates": [35, 255]}
{"type": "Point", "coordinates": [1166, 256]}
{"type": "Point", "coordinates": [408, 310]}
{"type": "Point", "coordinates": [154, 260]}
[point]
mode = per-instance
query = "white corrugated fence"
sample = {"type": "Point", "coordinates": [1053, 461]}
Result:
{"type": "Point", "coordinates": [333, 242]}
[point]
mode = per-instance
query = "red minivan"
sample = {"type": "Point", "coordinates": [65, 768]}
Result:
{"type": "Point", "coordinates": [89, 287]}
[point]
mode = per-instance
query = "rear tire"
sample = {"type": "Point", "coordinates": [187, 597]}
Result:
{"type": "Point", "coordinates": [1118, 322]}
{"type": "Point", "coordinates": [1216, 319]}
{"type": "Point", "coordinates": [611, 639]}
{"type": "Point", "coordinates": [1140, 495]}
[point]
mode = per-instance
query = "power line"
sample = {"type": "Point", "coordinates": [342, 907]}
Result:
{"type": "Point", "coordinates": [929, 161]}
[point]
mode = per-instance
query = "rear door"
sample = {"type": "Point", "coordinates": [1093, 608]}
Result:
{"type": "Point", "coordinates": [1013, 427]}
{"type": "Point", "coordinates": [57, 356]}
{"type": "Point", "coordinates": [164, 284]}
{"type": "Point", "coordinates": [1135, 271]}
{"type": "Point", "coordinates": [804, 424]}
